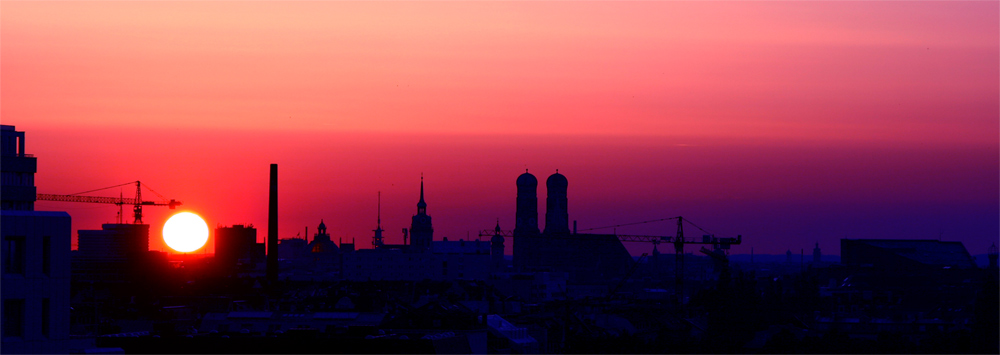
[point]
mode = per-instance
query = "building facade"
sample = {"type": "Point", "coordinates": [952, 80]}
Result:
{"type": "Point", "coordinates": [237, 246]}
{"type": "Point", "coordinates": [35, 252]}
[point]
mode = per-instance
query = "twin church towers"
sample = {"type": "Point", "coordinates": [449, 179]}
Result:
{"type": "Point", "coordinates": [531, 248]}
{"type": "Point", "coordinates": [556, 216]}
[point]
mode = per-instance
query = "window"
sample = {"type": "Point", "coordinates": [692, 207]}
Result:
{"type": "Point", "coordinates": [46, 255]}
{"type": "Point", "coordinates": [46, 314]}
{"type": "Point", "coordinates": [13, 260]}
{"type": "Point", "coordinates": [13, 317]}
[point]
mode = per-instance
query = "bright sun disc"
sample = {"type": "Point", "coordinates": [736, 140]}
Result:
{"type": "Point", "coordinates": [185, 232]}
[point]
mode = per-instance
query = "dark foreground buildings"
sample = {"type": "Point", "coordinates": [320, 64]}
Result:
{"type": "Point", "coordinates": [566, 292]}
{"type": "Point", "coordinates": [35, 255]}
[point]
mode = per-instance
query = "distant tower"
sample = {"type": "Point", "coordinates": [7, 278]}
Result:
{"type": "Point", "coordinates": [322, 254]}
{"type": "Point", "coordinates": [377, 238]}
{"type": "Point", "coordinates": [421, 231]}
{"type": "Point", "coordinates": [526, 221]}
{"type": "Point", "coordinates": [556, 216]}
{"type": "Point", "coordinates": [496, 248]}
{"type": "Point", "coordinates": [817, 255]}
{"type": "Point", "coordinates": [992, 253]}
{"type": "Point", "coordinates": [527, 204]}
{"type": "Point", "coordinates": [788, 256]}
{"type": "Point", "coordinates": [321, 242]}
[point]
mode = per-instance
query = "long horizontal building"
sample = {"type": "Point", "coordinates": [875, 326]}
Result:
{"type": "Point", "coordinates": [905, 254]}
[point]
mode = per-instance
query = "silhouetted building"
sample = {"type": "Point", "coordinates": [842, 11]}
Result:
{"type": "Point", "coordinates": [237, 246]}
{"type": "Point", "coordinates": [526, 222]}
{"type": "Point", "coordinates": [18, 171]}
{"type": "Point", "coordinates": [35, 252]}
{"type": "Point", "coordinates": [322, 254]}
{"type": "Point", "coordinates": [422, 259]}
{"type": "Point", "coordinates": [463, 259]}
{"type": "Point", "coordinates": [347, 247]}
{"type": "Point", "coordinates": [124, 242]}
{"type": "Point", "coordinates": [905, 253]}
{"type": "Point", "coordinates": [817, 255]}
{"type": "Point", "coordinates": [36, 281]}
{"type": "Point", "coordinates": [292, 248]}
{"type": "Point", "coordinates": [497, 250]}
{"type": "Point", "coordinates": [117, 253]}
{"type": "Point", "coordinates": [421, 230]}
{"type": "Point", "coordinates": [556, 215]}
{"type": "Point", "coordinates": [587, 258]}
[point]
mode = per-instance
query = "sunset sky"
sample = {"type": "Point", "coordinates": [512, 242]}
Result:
{"type": "Point", "coordinates": [790, 122]}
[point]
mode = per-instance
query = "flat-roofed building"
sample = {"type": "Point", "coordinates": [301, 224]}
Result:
{"type": "Point", "coordinates": [35, 252]}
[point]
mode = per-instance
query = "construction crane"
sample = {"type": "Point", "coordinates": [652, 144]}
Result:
{"type": "Point", "coordinates": [625, 278]}
{"type": "Point", "coordinates": [136, 202]}
{"type": "Point", "coordinates": [722, 245]}
{"type": "Point", "coordinates": [720, 260]}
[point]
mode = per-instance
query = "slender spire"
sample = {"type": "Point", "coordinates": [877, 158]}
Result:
{"type": "Point", "coordinates": [380, 210]}
{"type": "Point", "coordinates": [377, 239]}
{"type": "Point", "coordinates": [421, 205]}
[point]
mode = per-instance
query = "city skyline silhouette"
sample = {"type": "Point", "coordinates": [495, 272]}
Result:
{"type": "Point", "coordinates": [747, 117]}
{"type": "Point", "coordinates": [797, 129]}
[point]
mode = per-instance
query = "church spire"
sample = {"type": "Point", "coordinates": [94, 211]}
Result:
{"type": "Point", "coordinates": [421, 232]}
{"type": "Point", "coordinates": [421, 206]}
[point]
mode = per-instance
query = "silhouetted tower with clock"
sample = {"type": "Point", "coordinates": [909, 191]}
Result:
{"type": "Point", "coordinates": [421, 231]}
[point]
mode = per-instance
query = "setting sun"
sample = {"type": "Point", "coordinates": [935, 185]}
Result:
{"type": "Point", "coordinates": [185, 232]}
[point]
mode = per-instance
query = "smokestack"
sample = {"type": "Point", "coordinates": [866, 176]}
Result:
{"type": "Point", "coordinates": [272, 227]}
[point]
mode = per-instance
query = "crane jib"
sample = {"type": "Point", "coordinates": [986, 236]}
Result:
{"type": "Point", "coordinates": [136, 202]}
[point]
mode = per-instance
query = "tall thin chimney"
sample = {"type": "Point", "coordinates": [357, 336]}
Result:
{"type": "Point", "coordinates": [272, 227]}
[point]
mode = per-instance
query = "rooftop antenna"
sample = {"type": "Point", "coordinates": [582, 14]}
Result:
{"type": "Point", "coordinates": [377, 239]}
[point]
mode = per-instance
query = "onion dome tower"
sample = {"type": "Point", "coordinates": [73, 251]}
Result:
{"type": "Point", "coordinates": [527, 205]}
{"type": "Point", "coordinates": [526, 222]}
{"type": "Point", "coordinates": [556, 216]}
{"type": "Point", "coordinates": [421, 230]}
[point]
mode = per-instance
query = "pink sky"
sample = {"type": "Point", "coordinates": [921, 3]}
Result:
{"type": "Point", "coordinates": [787, 122]}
